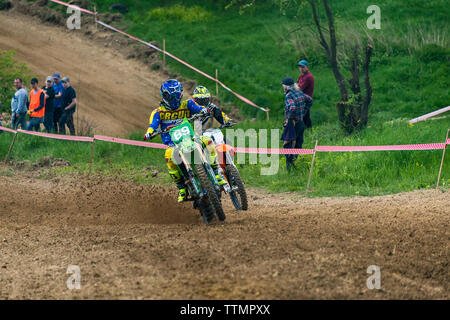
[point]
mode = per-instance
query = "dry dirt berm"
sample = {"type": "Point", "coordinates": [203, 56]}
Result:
{"type": "Point", "coordinates": [135, 242]}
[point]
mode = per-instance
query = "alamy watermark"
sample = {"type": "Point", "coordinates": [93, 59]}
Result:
{"type": "Point", "coordinates": [374, 21]}
{"type": "Point", "coordinates": [260, 151]}
{"type": "Point", "coordinates": [374, 281]}
{"type": "Point", "coordinates": [74, 281]}
{"type": "Point", "coordinates": [74, 20]}
{"type": "Point", "coordinates": [257, 140]}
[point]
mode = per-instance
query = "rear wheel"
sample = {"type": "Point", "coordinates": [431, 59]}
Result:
{"type": "Point", "coordinates": [238, 197]}
{"type": "Point", "coordinates": [212, 195]}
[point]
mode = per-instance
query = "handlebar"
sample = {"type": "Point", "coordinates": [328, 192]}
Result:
{"type": "Point", "coordinates": [193, 117]}
{"type": "Point", "coordinates": [196, 116]}
{"type": "Point", "coordinates": [229, 124]}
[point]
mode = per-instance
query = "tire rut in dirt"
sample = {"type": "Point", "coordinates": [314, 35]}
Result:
{"type": "Point", "coordinates": [212, 195]}
{"type": "Point", "coordinates": [231, 171]}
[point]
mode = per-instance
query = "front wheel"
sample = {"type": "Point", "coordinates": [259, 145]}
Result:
{"type": "Point", "coordinates": [212, 195]}
{"type": "Point", "coordinates": [239, 196]}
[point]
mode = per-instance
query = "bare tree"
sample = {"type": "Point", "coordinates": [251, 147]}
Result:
{"type": "Point", "coordinates": [353, 108]}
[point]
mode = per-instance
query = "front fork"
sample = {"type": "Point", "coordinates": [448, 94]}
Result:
{"type": "Point", "coordinates": [209, 170]}
{"type": "Point", "coordinates": [193, 184]}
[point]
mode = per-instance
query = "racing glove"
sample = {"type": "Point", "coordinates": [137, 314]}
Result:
{"type": "Point", "coordinates": [149, 135]}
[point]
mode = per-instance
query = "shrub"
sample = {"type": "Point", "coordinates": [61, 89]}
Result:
{"type": "Point", "coordinates": [10, 69]}
{"type": "Point", "coordinates": [433, 52]}
{"type": "Point", "coordinates": [180, 13]}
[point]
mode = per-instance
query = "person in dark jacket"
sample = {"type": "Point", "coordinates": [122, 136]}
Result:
{"type": "Point", "coordinates": [69, 105]}
{"type": "Point", "coordinates": [49, 96]}
{"type": "Point", "coordinates": [296, 105]}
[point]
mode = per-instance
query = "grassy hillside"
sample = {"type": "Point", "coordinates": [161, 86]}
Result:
{"type": "Point", "coordinates": [335, 174]}
{"type": "Point", "coordinates": [253, 51]}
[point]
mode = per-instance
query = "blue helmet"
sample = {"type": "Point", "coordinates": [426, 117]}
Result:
{"type": "Point", "coordinates": [172, 93]}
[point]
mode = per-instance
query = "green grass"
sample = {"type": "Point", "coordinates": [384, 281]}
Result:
{"type": "Point", "coordinates": [335, 174]}
{"type": "Point", "coordinates": [109, 158]}
{"type": "Point", "coordinates": [364, 173]}
{"type": "Point", "coordinates": [253, 51]}
{"type": "Point", "coordinates": [252, 57]}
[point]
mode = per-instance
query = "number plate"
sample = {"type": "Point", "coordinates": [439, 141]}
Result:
{"type": "Point", "coordinates": [180, 132]}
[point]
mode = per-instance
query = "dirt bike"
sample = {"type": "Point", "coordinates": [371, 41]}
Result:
{"type": "Point", "coordinates": [201, 182]}
{"type": "Point", "coordinates": [225, 155]}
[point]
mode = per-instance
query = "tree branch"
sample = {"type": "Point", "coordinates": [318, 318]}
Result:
{"type": "Point", "coordinates": [332, 59]}
{"type": "Point", "coordinates": [368, 87]}
{"type": "Point", "coordinates": [322, 40]}
{"type": "Point", "coordinates": [331, 28]}
{"type": "Point", "coordinates": [354, 69]}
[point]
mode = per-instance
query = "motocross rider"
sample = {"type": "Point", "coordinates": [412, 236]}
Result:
{"type": "Point", "coordinates": [171, 110]}
{"type": "Point", "coordinates": [202, 96]}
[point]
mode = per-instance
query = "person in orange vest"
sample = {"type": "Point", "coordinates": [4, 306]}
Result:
{"type": "Point", "coordinates": [36, 109]}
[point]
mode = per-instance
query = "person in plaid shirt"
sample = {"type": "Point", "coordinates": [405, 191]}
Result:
{"type": "Point", "coordinates": [296, 105]}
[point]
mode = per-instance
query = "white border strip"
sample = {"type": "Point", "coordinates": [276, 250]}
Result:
{"type": "Point", "coordinates": [429, 115]}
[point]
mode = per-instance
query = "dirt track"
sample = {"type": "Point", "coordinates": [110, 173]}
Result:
{"type": "Point", "coordinates": [135, 242]}
{"type": "Point", "coordinates": [118, 94]}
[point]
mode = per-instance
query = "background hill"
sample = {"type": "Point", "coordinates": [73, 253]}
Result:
{"type": "Point", "coordinates": [253, 51]}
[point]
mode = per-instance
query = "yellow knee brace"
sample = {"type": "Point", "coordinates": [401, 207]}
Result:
{"type": "Point", "coordinates": [207, 141]}
{"type": "Point", "coordinates": [170, 164]}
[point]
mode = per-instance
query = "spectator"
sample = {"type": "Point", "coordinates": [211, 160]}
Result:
{"type": "Point", "coordinates": [69, 105]}
{"type": "Point", "coordinates": [19, 106]}
{"type": "Point", "coordinates": [306, 84]}
{"type": "Point", "coordinates": [49, 97]}
{"type": "Point", "coordinates": [296, 104]}
{"type": "Point", "coordinates": [1, 117]}
{"type": "Point", "coordinates": [57, 102]}
{"type": "Point", "coordinates": [36, 109]}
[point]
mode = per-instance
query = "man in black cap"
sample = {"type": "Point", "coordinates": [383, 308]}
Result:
{"type": "Point", "coordinates": [69, 105]}
{"type": "Point", "coordinates": [296, 104]}
{"type": "Point", "coordinates": [49, 97]}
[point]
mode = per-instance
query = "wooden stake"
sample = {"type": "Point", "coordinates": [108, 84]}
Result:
{"type": "Point", "coordinates": [92, 155]}
{"type": "Point", "coordinates": [164, 51]}
{"type": "Point", "coordinates": [267, 114]}
{"type": "Point", "coordinates": [10, 147]}
{"type": "Point", "coordinates": [217, 84]}
{"type": "Point", "coordinates": [311, 169]}
{"type": "Point", "coordinates": [442, 161]}
{"type": "Point", "coordinates": [95, 17]}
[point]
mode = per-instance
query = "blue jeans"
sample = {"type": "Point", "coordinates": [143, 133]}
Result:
{"type": "Point", "coordinates": [48, 121]}
{"type": "Point", "coordinates": [16, 120]}
{"type": "Point", "coordinates": [34, 124]}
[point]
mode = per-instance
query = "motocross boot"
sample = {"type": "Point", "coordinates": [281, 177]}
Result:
{"type": "Point", "coordinates": [182, 192]}
{"type": "Point", "coordinates": [219, 176]}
